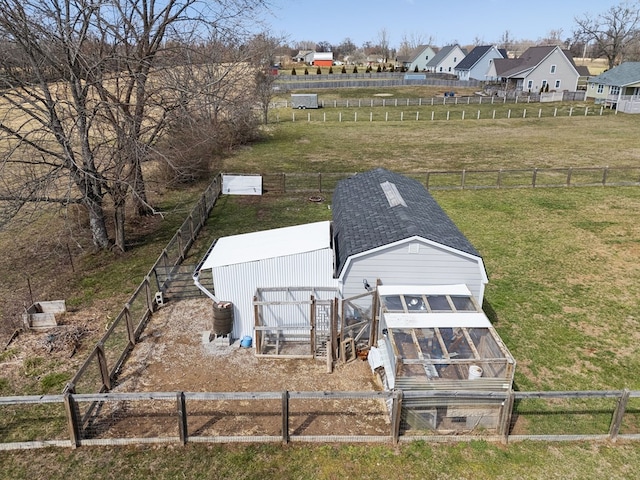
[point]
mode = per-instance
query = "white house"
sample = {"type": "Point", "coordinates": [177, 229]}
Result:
{"type": "Point", "coordinates": [418, 58]}
{"type": "Point", "coordinates": [446, 60]}
{"type": "Point", "coordinates": [476, 65]}
{"type": "Point", "coordinates": [543, 68]}
{"type": "Point", "coordinates": [621, 83]}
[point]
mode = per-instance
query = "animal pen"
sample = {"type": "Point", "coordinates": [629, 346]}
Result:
{"type": "Point", "coordinates": [310, 322]}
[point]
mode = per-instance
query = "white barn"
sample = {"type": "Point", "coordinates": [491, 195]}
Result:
{"type": "Point", "coordinates": [299, 256]}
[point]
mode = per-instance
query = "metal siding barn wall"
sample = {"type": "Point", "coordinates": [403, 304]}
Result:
{"type": "Point", "coordinates": [414, 262]}
{"type": "Point", "coordinates": [238, 283]}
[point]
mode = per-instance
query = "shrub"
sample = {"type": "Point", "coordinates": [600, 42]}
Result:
{"type": "Point", "coordinates": [379, 69]}
{"type": "Point", "coordinates": [306, 71]}
{"type": "Point", "coordinates": [293, 71]}
{"type": "Point", "coordinates": [344, 69]}
{"type": "Point", "coordinates": [319, 71]}
{"type": "Point", "coordinates": [416, 69]}
{"type": "Point", "coordinates": [355, 69]}
{"type": "Point", "coordinates": [330, 70]}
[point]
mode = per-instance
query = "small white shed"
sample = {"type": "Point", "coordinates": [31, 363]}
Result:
{"type": "Point", "coordinates": [297, 256]}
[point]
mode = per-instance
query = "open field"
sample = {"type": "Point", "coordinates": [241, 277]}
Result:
{"type": "Point", "coordinates": [564, 284]}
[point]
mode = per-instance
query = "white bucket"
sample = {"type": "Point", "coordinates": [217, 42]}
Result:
{"type": "Point", "coordinates": [475, 372]}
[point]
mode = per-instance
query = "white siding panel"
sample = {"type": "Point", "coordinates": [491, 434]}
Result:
{"type": "Point", "coordinates": [238, 283]}
{"type": "Point", "coordinates": [396, 266]}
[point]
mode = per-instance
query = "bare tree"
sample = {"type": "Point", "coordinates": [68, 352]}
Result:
{"type": "Point", "coordinates": [383, 43]}
{"type": "Point", "coordinates": [611, 33]}
{"type": "Point", "coordinates": [262, 49]}
{"type": "Point", "coordinates": [84, 100]}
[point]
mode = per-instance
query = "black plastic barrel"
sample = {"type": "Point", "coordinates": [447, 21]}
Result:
{"type": "Point", "coordinates": [222, 318]}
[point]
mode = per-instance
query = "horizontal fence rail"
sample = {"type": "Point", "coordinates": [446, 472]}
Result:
{"type": "Point", "coordinates": [325, 183]}
{"type": "Point", "coordinates": [73, 420]}
{"type": "Point", "coordinates": [426, 116]}
{"type": "Point", "coordinates": [451, 98]}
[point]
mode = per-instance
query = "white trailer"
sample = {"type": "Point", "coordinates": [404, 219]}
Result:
{"type": "Point", "coordinates": [304, 100]}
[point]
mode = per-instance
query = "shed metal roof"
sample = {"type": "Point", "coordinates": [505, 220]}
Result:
{"type": "Point", "coordinates": [254, 246]}
{"type": "Point", "coordinates": [364, 219]}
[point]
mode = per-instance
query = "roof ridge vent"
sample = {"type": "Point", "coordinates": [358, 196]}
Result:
{"type": "Point", "coordinates": [393, 195]}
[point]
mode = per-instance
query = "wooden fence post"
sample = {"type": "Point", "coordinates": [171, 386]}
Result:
{"type": "Point", "coordinates": [396, 415]}
{"type": "Point", "coordinates": [183, 427]}
{"type": "Point", "coordinates": [131, 333]}
{"type": "Point", "coordinates": [285, 417]}
{"type": "Point", "coordinates": [72, 419]}
{"type": "Point", "coordinates": [605, 172]}
{"type": "Point", "coordinates": [312, 324]}
{"type": "Point", "coordinates": [104, 369]}
{"type": "Point", "coordinates": [618, 415]}
{"type": "Point", "coordinates": [533, 179]}
{"type": "Point", "coordinates": [505, 417]}
{"type": "Point", "coordinates": [569, 172]}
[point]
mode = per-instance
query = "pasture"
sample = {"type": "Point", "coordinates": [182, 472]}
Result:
{"type": "Point", "coordinates": [562, 293]}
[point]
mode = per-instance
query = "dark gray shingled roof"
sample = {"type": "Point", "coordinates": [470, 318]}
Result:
{"type": "Point", "coordinates": [473, 57]}
{"type": "Point", "coordinates": [363, 218]}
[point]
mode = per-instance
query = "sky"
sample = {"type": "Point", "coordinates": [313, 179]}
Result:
{"type": "Point", "coordinates": [444, 22]}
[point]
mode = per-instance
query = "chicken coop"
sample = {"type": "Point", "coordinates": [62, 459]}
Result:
{"type": "Point", "coordinates": [438, 338]}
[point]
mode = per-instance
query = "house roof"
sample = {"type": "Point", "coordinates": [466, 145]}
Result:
{"type": "Point", "coordinates": [624, 74]}
{"type": "Point", "coordinates": [532, 57]}
{"type": "Point", "coordinates": [474, 56]}
{"type": "Point", "coordinates": [442, 54]}
{"type": "Point", "coordinates": [254, 246]}
{"type": "Point", "coordinates": [364, 218]}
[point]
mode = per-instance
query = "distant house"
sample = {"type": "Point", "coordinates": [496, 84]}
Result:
{"type": "Point", "coordinates": [446, 60]}
{"type": "Point", "coordinates": [322, 59]}
{"type": "Point", "coordinates": [537, 69]}
{"type": "Point", "coordinates": [305, 56]}
{"type": "Point", "coordinates": [616, 84]}
{"type": "Point", "coordinates": [418, 58]}
{"type": "Point", "coordinates": [476, 65]}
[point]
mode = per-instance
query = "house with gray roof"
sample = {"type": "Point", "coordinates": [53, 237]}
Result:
{"type": "Point", "coordinates": [476, 65]}
{"type": "Point", "coordinates": [615, 85]}
{"type": "Point", "coordinates": [418, 59]}
{"type": "Point", "coordinates": [446, 60]}
{"type": "Point", "coordinates": [542, 68]}
{"type": "Point", "coordinates": [388, 228]}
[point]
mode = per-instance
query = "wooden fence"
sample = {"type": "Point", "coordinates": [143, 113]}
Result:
{"type": "Point", "coordinates": [101, 366]}
{"type": "Point", "coordinates": [468, 179]}
{"type": "Point", "coordinates": [73, 420]}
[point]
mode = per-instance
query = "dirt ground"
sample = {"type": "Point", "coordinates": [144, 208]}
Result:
{"type": "Point", "coordinates": [172, 357]}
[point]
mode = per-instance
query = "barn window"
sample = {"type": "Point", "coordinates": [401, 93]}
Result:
{"type": "Point", "coordinates": [414, 248]}
{"type": "Point", "coordinates": [557, 83]}
{"type": "Point", "coordinates": [553, 69]}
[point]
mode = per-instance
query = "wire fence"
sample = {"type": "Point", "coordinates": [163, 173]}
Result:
{"type": "Point", "coordinates": [468, 179]}
{"type": "Point", "coordinates": [101, 367]}
{"type": "Point", "coordinates": [73, 420]}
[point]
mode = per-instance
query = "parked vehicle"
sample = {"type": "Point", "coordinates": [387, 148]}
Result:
{"type": "Point", "coordinates": [304, 100]}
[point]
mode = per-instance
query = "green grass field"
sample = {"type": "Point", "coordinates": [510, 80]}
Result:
{"type": "Point", "coordinates": [563, 292]}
